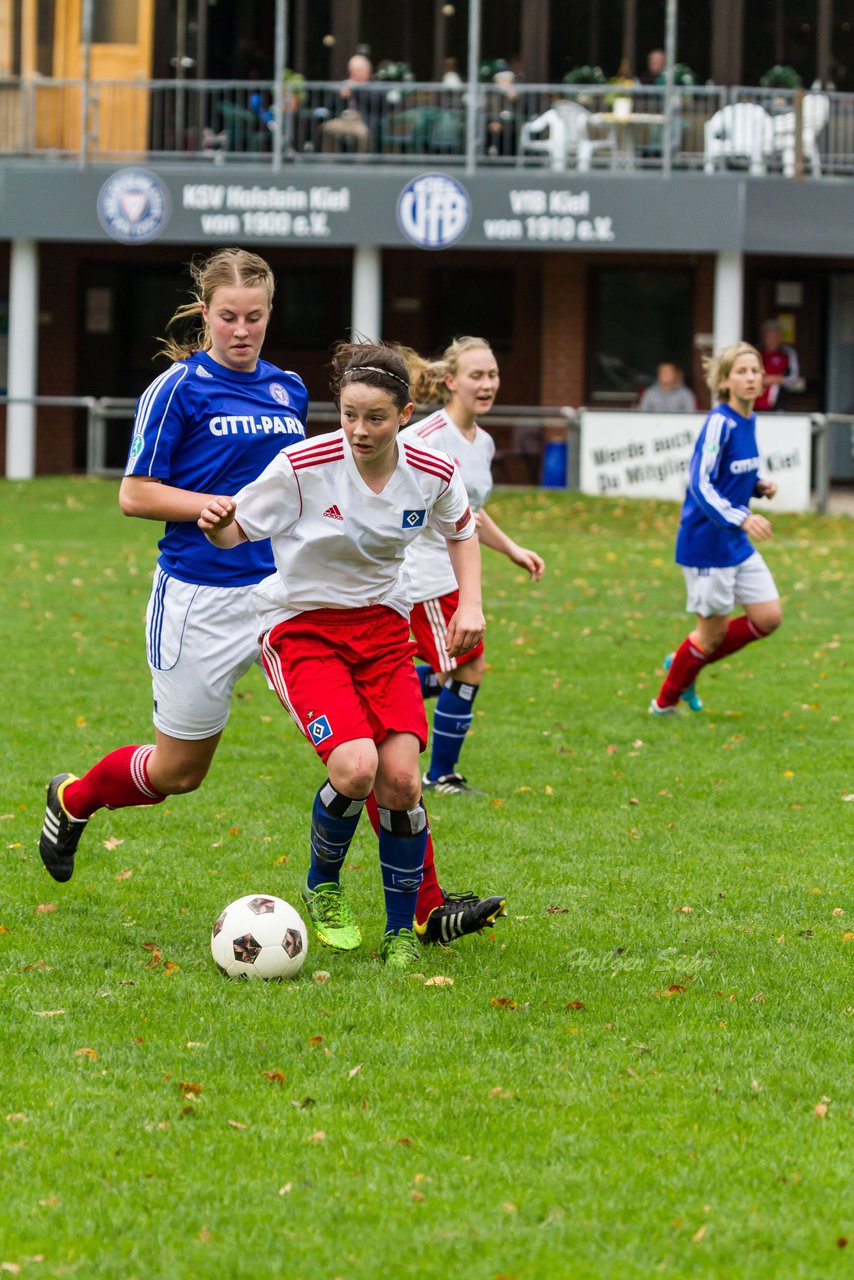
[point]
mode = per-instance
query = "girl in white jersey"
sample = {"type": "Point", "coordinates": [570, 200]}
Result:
{"type": "Point", "coordinates": [466, 380]}
{"type": "Point", "coordinates": [340, 510]}
{"type": "Point", "coordinates": [207, 425]}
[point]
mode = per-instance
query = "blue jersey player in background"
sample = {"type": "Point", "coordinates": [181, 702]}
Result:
{"type": "Point", "coordinates": [204, 428]}
{"type": "Point", "coordinates": [720, 566]}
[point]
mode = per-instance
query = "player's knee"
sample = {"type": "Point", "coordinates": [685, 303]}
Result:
{"type": "Point", "coordinates": [180, 781]}
{"type": "Point", "coordinates": [770, 618]}
{"type": "Point", "coordinates": [401, 789]}
{"type": "Point", "coordinates": [352, 770]}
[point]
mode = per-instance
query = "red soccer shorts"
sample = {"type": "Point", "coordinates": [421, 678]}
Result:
{"type": "Point", "coordinates": [429, 622]}
{"type": "Point", "coordinates": [345, 674]}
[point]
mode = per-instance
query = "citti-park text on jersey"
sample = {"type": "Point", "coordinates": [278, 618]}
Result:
{"type": "Point", "coordinates": [227, 424]}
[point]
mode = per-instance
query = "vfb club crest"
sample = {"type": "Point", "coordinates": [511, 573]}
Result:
{"type": "Point", "coordinates": [134, 206]}
{"type": "Point", "coordinates": [433, 210]}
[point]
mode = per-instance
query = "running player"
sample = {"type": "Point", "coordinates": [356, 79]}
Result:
{"type": "Point", "coordinates": [210, 423]}
{"type": "Point", "coordinates": [340, 511]}
{"type": "Point", "coordinates": [721, 568]}
{"type": "Point", "coordinates": [466, 379]}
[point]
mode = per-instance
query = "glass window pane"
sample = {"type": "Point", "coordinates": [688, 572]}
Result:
{"type": "Point", "coordinates": [115, 21]}
{"type": "Point", "coordinates": [642, 317]}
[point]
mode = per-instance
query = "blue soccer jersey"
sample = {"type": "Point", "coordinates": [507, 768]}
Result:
{"type": "Point", "coordinates": [724, 473]}
{"type": "Point", "coordinates": [205, 427]}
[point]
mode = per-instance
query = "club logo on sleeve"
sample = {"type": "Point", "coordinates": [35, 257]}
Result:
{"type": "Point", "coordinates": [413, 519]}
{"type": "Point", "coordinates": [460, 524]}
{"type": "Point", "coordinates": [279, 393]}
{"type": "Point", "coordinates": [319, 730]}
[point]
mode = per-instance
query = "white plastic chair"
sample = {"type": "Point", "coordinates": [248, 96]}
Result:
{"type": "Point", "coordinates": [742, 129]}
{"type": "Point", "coordinates": [565, 125]}
{"type": "Point", "coordinates": [815, 110]}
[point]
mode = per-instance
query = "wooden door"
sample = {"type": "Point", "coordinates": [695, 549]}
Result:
{"type": "Point", "coordinates": [119, 66]}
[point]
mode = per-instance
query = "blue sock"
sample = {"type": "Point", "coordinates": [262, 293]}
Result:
{"type": "Point", "coordinates": [429, 681]}
{"type": "Point", "coordinates": [403, 841]}
{"type": "Point", "coordinates": [334, 819]}
{"type": "Point", "coordinates": [451, 721]}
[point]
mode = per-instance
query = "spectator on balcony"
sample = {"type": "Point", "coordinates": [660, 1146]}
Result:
{"type": "Point", "coordinates": [668, 394]}
{"type": "Point", "coordinates": [352, 126]}
{"type": "Point", "coordinates": [656, 63]}
{"type": "Point", "coordinates": [781, 370]}
{"type": "Point", "coordinates": [501, 112]}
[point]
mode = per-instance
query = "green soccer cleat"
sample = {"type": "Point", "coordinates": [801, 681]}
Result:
{"type": "Point", "coordinates": [691, 696]}
{"type": "Point", "coordinates": [334, 923]}
{"type": "Point", "coordinates": [400, 951]}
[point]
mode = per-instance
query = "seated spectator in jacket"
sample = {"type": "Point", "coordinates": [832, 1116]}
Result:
{"type": "Point", "coordinates": [781, 370]}
{"type": "Point", "coordinates": [353, 120]}
{"type": "Point", "coordinates": [668, 394]}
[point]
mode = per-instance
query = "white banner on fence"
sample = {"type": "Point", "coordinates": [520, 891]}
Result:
{"type": "Point", "coordinates": [640, 455]}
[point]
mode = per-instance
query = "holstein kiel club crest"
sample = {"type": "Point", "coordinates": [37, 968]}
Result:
{"type": "Point", "coordinates": [134, 206]}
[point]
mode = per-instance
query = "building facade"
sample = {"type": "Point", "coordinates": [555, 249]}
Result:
{"type": "Point", "coordinates": [164, 133]}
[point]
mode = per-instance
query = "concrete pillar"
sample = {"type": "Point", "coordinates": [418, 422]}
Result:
{"type": "Point", "coordinates": [23, 359]}
{"type": "Point", "coordinates": [367, 312]}
{"type": "Point", "coordinates": [728, 315]}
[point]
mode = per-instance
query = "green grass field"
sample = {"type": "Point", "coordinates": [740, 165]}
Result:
{"type": "Point", "coordinates": [645, 1070]}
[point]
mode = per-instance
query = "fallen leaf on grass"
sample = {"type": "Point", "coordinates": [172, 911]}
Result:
{"type": "Point", "coordinates": [86, 1053]}
{"type": "Point", "coordinates": [322, 975]}
{"type": "Point", "coordinates": [846, 937]}
{"type": "Point", "coordinates": [417, 1196]}
{"type": "Point", "coordinates": [673, 990]}
{"type": "Point", "coordinates": [205, 1235]}
{"type": "Point", "coordinates": [317, 1136]}
{"type": "Point", "coordinates": [275, 1077]}
{"type": "Point", "coordinates": [188, 1089]}
{"type": "Point", "coordinates": [123, 875]}
{"type": "Point", "coordinates": [237, 1124]}
{"type": "Point", "coordinates": [500, 1092]}
{"type": "Point", "coordinates": [686, 911]}
{"type": "Point", "coordinates": [156, 957]}
{"type": "Point", "coordinates": [315, 1040]}
{"type": "Point", "coordinates": [171, 967]}
{"type": "Point", "coordinates": [50, 1202]}
{"type": "Point", "coordinates": [304, 1105]}
{"type": "Point", "coordinates": [700, 1233]}
{"type": "Point", "coordinates": [3, 929]}
{"type": "Point", "coordinates": [556, 911]}
{"type": "Point", "coordinates": [509, 1207]}
{"type": "Point", "coordinates": [405, 1142]}
{"type": "Point", "coordinates": [112, 842]}
{"type": "Point", "coordinates": [439, 980]}
{"type": "Point", "coordinates": [11, 1268]}
{"type": "Point", "coordinates": [48, 1013]}
{"type": "Point", "coordinates": [841, 1242]}
{"type": "Point", "coordinates": [286, 1189]}
{"type": "Point", "coordinates": [611, 750]}
{"type": "Point", "coordinates": [837, 911]}
{"type": "Point", "coordinates": [575, 1004]}
{"type": "Point", "coordinates": [354, 1071]}
{"type": "Point", "coordinates": [820, 1110]}
{"type": "Point", "coordinates": [17, 1117]}
{"type": "Point", "coordinates": [45, 908]}
{"type": "Point", "coordinates": [504, 1002]}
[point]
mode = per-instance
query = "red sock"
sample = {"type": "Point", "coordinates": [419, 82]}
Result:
{"type": "Point", "coordinates": [430, 894]}
{"type": "Point", "coordinates": [688, 661]}
{"type": "Point", "coordinates": [119, 780]}
{"type": "Point", "coordinates": [741, 631]}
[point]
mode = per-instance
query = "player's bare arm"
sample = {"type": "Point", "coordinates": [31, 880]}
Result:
{"type": "Point", "coordinates": [150, 499]}
{"type": "Point", "coordinates": [492, 536]}
{"type": "Point", "coordinates": [217, 523]}
{"type": "Point", "coordinates": [468, 624]}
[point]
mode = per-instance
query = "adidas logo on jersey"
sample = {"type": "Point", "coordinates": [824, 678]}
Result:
{"type": "Point", "coordinates": [333, 513]}
{"type": "Point", "coordinates": [202, 372]}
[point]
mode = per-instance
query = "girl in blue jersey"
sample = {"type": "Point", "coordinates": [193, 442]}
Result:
{"type": "Point", "coordinates": [720, 566]}
{"type": "Point", "coordinates": [205, 427]}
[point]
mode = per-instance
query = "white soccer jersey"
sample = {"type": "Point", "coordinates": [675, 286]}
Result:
{"type": "Point", "coordinates": [427, 561]}
{"type": "Point", "coordinates": [336, 543]}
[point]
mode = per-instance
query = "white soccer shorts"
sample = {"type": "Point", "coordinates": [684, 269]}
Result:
{"type": "Point", "coordinates": [200, 640]}
{"type": "Point", "coordinates": [714, 593]}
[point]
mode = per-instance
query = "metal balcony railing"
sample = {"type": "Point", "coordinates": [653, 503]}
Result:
{"type": "Point", "coordinates": [588, 128]}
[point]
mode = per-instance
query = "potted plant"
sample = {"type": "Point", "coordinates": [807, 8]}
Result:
{"type": "Point", "coordinates": [780, 77]}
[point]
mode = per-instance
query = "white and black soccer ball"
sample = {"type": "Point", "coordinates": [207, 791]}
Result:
{"type": "Point", "coordinates": [259, 936]}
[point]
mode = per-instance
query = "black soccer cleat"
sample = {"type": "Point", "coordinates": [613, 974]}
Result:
{"type": "Point", "coordinates": [449, 784]}
{"type": "Point", "coordinates": [61, 833]}
{"type": "Point", "coordinates": [459, 914]}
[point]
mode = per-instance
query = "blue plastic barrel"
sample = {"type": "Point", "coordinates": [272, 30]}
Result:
{"type": "Point", "coordinates": [554, 465]}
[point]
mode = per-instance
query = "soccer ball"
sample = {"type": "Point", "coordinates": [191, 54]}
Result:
{"type": "Point", "coordinates": [259, 936]}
